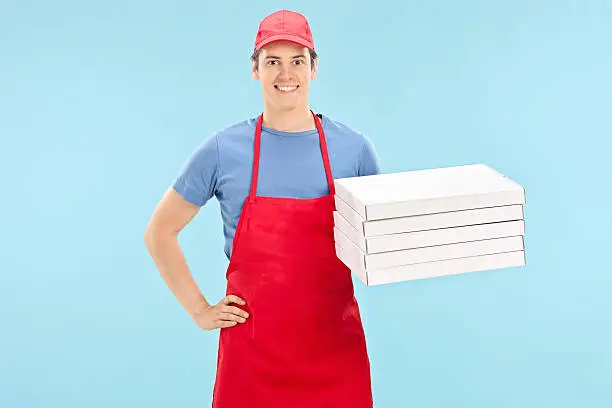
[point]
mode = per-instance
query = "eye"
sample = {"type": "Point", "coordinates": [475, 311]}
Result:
{"type": "Point", "coordinates": [272, 62]}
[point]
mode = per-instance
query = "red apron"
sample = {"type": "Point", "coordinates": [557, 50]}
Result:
{"type": "Point", "coordinates": [303, 344]}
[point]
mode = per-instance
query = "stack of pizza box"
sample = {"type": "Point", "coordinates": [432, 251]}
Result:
{"type": "Point", "coordinates": [429, 223]}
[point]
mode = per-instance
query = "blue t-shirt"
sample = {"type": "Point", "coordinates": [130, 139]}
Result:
{"type": "Point", "coordinates": [290, 165]}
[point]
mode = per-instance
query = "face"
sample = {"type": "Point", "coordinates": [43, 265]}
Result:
{"type": "Point", "coordinates": [285, 71]}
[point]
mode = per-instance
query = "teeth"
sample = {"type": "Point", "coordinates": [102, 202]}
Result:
{"type": "Point", "coordinates": [287, 88]}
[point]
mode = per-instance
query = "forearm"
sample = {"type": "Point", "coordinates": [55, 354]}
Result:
{"type": "Point", "coordinates": [172, 265]}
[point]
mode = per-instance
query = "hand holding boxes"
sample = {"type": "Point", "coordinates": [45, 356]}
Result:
{"type": "Point", "coordinates": [419, 224]}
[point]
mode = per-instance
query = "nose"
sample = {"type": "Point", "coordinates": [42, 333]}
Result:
{"type": "Point", "coordinates": [284, 70]}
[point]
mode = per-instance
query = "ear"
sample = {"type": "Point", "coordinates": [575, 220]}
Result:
{"type": "Point", "coordinates": [315, 69]}
{"type": "Point", "coordinates": [254, 72]}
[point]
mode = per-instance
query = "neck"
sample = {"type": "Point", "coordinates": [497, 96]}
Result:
{"type": "Point", "coordinates": [295, 120]}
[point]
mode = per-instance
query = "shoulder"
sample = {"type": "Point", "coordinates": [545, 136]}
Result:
{"type": "Point", "coordinates": [214, 145]}
{"type": "Point", "coordinates": [346, 135]}
{"type": "Point", "coordinates": [237, 129]}
{"type": "Point", "coordinates": [236, 138]}
{"type": "Point", "coordinates": [337, 127]}
{"type": "Point", "coordinates": [347, 138]}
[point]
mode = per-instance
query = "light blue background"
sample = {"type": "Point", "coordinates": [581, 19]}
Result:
{"type": "Point", "coordinates": [101, 102]}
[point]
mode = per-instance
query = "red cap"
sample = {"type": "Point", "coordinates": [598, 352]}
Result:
{"type": "Point", "coordinates": [284, 25]}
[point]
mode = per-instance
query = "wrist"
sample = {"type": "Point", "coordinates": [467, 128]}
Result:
{"type": "Point", "coordinates": [199, 309]}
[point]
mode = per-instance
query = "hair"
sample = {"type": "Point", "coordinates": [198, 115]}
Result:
{"type": "Point", "coordinates": [255, 57]}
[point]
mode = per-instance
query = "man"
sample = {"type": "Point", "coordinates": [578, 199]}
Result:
{"type": "Point", "coordinates": [291, 333]}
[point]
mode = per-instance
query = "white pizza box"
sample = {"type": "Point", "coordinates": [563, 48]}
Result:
{"type": "Point", "coordinates": [428, 221]}
{"type": "Point", "coordinates": [366, 262]}
{"type": "Point", "coordinates": [435, 268]}
{"type": "Point", "coordinates": [431, 191]}
{"type": "Point", "coordinates": [418, 239]}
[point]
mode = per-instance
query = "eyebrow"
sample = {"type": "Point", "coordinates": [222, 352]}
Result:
{"type": "Point", "coordinates": [295, 56]}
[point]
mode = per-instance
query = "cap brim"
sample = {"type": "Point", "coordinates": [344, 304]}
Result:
{"type": "Point", "coordinates": [285, 37]}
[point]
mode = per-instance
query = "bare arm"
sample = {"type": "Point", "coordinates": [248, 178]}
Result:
{"type": "Point", "coordinates": [172, 214]}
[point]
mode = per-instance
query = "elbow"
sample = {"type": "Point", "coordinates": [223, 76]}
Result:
{"type": "Point", "coordinates": [154, 236]}
{"type": "Point", "coordinates": [150, 237]}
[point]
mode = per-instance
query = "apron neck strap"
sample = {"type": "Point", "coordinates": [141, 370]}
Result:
{"type": "Point", "coordinates": [322, 143]}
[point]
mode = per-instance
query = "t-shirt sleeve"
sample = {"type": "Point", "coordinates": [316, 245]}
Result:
{"type": "Point", "coordinates": [368, 159]}
{"type": "Point", "coordinates": [197, 179]}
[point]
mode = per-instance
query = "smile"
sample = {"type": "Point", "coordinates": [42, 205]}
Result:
{"type": "Point", "coordinates": [286, 88]}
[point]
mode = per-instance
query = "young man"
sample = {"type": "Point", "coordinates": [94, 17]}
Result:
{"type": "Point", "coordinates": [291, 333]}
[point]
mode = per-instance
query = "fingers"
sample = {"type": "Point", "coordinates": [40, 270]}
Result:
{"type": "Point", "coordinates": [222, 324]}
{"type": "Point", "coordinates": [235, 310]}
{"type": "Point", "coordinates": [231, 317]}
{"type": "Point", "coordinates": [233, 299]}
